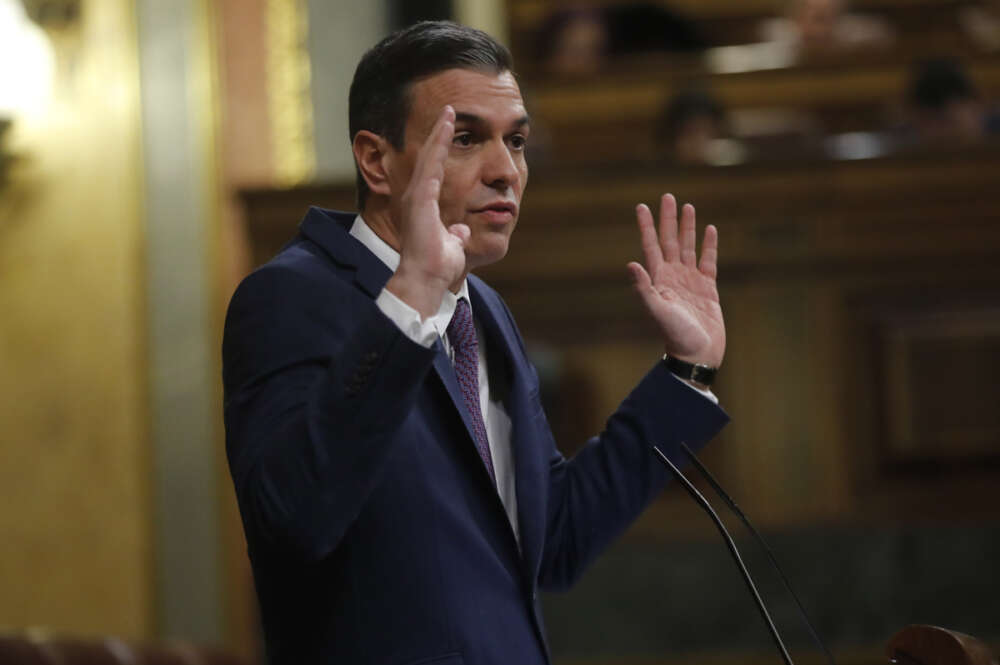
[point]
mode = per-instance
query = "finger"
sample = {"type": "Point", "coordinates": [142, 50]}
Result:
{"type": "Point", "coordinates": [687, 236]}
{"type": "Point", "coordinates": [710, 252]}
{"type": "Point", "coordinates": [429, 168]}
{"type": "Point", "coordinates": [647, 236]}
{"type": "Point", "coordinates": [668, 228]}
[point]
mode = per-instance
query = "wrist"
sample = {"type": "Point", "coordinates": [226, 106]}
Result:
{"type": "Point", "coordinates": [697, 374]}
{"type": "Point", "coordinates": [422, 294]}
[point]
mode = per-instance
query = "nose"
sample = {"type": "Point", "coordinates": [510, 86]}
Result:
{"type": "Point", "coordinates": [500, 167]}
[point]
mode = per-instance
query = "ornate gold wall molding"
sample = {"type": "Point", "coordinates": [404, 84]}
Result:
{"type": "Point", "coordinates": [289, 91]}
{"type": "Point", "coordinates": [77, 555]}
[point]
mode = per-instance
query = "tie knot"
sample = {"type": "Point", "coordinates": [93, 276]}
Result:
{"type": "Point", "coordinates": [461, 331]}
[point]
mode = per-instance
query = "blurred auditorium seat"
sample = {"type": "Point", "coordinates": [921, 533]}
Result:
{"type": "Point", "coordinates": [108, 651]}
{"type": "Point", "coordinates": [21, 651]}
{"type": "Point", "coordinates": [30, 650]}
{"type": "Point", "coordinates": [183, 653]}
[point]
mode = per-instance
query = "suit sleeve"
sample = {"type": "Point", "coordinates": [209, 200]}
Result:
{"type": "Point", "coordinates": [593, 497]}
{"type": "Point", "coordinates": [318, 382]}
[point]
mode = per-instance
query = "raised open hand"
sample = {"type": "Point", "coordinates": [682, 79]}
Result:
{"type": "Point", "coordinates": [432, 256]}
{"type": "Point", "coordinates": [678, 291]}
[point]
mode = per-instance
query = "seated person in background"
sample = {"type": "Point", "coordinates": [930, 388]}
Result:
{"type": "Point", "coordinates": [690, 126]}
{"type": "Point", "coordinates": [824, 28]}
{"type": "Point", "coordinates": [573, 41]}
{"type": "Point", "coordinates": [582, 40]}
{"type": "Point", "coordinates": [981, 23]}
{"type": "Point", "coordinates": [943, 105]}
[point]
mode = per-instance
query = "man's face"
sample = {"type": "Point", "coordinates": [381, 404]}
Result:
{"type": "Point", "coordinates": [485, 171]}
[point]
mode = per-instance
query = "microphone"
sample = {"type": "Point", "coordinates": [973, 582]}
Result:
{"type": "Point", "coordinates": [760, 539]}
{"type": "Point", "coordinates": [703, 502]}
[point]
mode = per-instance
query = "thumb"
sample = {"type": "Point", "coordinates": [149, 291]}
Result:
{"type": "Point", "coordinates": [640, 278]}
{"type": "Point", "coordinates": [460, 231]}
{"type": "Point", "coordinates": [641, 282]}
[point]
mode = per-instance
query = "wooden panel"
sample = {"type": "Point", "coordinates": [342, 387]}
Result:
{"type": "Point", "coordinates": [939, 368]}
{"type": "Point", "coordinates": [531, 10]}
{"type": "Point", "coordinates": [613, 118]}
{"type": "Point", "coordinates": [273, 214]}
{"type": "Point", "coordinates": [725, 22]}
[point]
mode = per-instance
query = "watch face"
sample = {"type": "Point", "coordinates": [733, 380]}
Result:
{"type": "Point", "coordinates": [702, 374]}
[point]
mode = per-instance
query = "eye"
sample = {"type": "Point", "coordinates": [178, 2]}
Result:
{"type": "Point", "coordinates": [464, 139]}
{"type": "Point", "coordinates": [518, 141]}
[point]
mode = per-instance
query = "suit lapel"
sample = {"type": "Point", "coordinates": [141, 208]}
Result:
{"type": "Point", "coordinates": [530, 466]}
{"type": "Point", "coordinates": [330, 230]}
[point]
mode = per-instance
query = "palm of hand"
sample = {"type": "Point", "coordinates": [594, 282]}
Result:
{"type": "Point", "coordinates": [431, 250]}
{"type": "Point", "coordinates": [680, 293]}
{"type": "Point", "coordinates": [440, 248]}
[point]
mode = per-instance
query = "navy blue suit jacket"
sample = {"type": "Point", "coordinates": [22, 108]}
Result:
{"type": "Point", "coordinates": [375, 534]}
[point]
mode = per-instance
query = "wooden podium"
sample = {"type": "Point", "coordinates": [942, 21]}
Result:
{"type": "Point", "coordinates": [931, 645]}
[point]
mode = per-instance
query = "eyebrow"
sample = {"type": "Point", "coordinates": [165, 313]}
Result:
{"type": "Point", "coordinates": [473, 119]}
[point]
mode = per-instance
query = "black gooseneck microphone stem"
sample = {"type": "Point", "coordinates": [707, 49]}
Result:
{"type": "Point", "coordinates": [703, 502]}
{"type": "Point", "coordinates": [760, 539]}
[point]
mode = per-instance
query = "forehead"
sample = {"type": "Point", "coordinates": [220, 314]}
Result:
{"type": "Point", "coordinates": [494, 97]}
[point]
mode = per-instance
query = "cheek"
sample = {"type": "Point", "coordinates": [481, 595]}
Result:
{"type": "Point", "coordinates": [459, 184]}
{"type": "Point", "coordinates": [453, 200]}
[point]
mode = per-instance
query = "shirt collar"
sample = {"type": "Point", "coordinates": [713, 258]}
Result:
{"type": "Point", "coordinates": [390, 257]}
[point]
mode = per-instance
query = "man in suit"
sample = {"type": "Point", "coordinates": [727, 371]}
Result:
{"type": "Point", "coordinates": [401, 494]}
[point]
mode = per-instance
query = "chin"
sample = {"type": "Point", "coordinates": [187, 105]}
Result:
{"type": "Point", "coordinates": [485, 254]}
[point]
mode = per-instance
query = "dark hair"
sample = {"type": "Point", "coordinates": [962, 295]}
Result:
{"type": "Point", "coordinates": [684, 107]}
{"type": "Point", "coordinates": [937, 82]}
{"type": "Point", "coordinates": [380, 92]}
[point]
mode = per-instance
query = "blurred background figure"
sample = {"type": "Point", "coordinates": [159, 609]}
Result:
{"type": "Point", "coordinates": [573, 41]}
{"type": "Point", "coordinates": [582, 40]}
{"type": "Point", "coordinates": [694, 129]}
{"type": "Point", "coordinates": [826, 28]}
{"type": "Point", "coordinates": [981, 23]}
{"type": "Point", "coordinates": [944, 106]}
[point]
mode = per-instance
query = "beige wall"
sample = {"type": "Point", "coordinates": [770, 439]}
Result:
{"type": "Point", "coordinates": [488, 15]}
{"type": "Point", "coordinates": [75, 549]}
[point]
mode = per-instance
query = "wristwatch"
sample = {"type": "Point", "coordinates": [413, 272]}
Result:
{"type": "Point", "coordinates": [700, 374]}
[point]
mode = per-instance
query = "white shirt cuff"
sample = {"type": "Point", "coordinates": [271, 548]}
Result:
{"type": "Point", "coordinates": [709, 395]}
{"type": "Point", "coordinates": [407, 319]}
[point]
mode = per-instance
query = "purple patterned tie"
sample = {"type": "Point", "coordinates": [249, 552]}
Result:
{"type": "Point", "coordinates": [462, 336]}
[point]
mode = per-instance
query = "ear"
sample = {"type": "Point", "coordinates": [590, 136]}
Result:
{"type": "Point", "coordinates": [372, 155]}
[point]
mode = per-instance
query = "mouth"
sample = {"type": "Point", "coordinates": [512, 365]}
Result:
{"type": "Point", "coordinates": [500, 211]}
